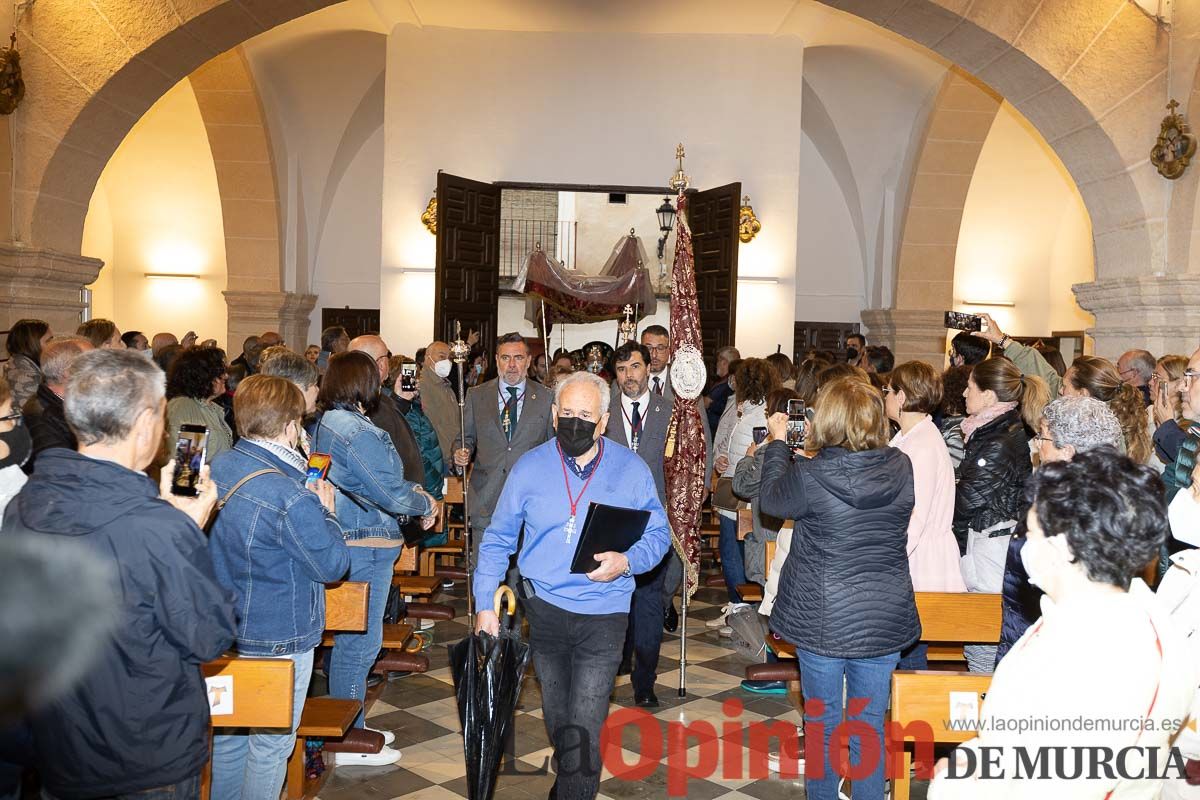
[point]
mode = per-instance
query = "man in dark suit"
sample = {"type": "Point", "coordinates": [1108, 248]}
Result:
{"type": "Point", "coordinates": [44, 414]}
{"type": "Point", "coordinates": [504, 419]}
{"type": "Point", "coordinates": [639, 421]}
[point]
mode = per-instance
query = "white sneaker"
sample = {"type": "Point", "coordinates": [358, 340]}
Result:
{"type": "Point", "coordinates": [426, 624]}
{"type": "Point", "coordinates": [725, 632]}
{"type": "Point", "coordinates": [718, 622]}
{"type": "Point", "coordinates": [381, 759]}
{"type": "Point", "coordinates": [388, 736]}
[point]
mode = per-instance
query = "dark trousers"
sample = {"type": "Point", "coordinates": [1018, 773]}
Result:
{"type": "Point", "coordinates": [576, 658]}
{"type": "Point", "coordinates": [644, 638]}
{"type": "Point", "coordinates": [186, 789]}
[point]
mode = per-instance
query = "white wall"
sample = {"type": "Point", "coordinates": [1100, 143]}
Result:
{"type": "Point", "coordinates": [508, 120]}
{"type": "Point", "coordinates": [600, 224]}
{"type": "Point", "coordinates": [830, 276]}
{"type": "Point", "coordinates": [157, 209]}
{"type": "Point", "coordinates": [347, 265]}
{"type": "Point", "coordinates": [1025, 235]}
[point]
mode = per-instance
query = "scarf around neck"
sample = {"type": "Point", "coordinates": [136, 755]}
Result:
{"type": "Point", "coordinates": [989, 414]}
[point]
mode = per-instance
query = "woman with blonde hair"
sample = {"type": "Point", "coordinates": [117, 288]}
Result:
{"type": "Point", "coordinates": [1002, 405]}
{"type": "Point", "coordinates": [1088, 375]}
{"type": "Point", "coordinates": [845, 597]}
{"type": "Point", "coordinates": [1166, 408]}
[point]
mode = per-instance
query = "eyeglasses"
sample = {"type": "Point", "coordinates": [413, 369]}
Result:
{"type": "Point", "coordinates": [1039, 439]}
{"type": "Point", "coordinates": [16, 417]}
{"type": "Point", "coordinates": [887, 390]}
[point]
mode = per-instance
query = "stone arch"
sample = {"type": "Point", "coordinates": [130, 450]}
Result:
{"type": "Point", "coordinates": [962, 117]}
{"type": "Point", "coordinates": [1092, 77]}
{"type": "Point", "coordinates": [241, 149]}
{"type": "Point", "coordinates": [100, 67]}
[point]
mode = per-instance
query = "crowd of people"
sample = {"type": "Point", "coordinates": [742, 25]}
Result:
{"type": "Point", "coordinates": [1069, 490]}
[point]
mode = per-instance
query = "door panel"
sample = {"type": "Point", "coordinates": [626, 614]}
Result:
{"type": "Point", "coordinates": [713, 217]}
{"type": "Point", "coordinates": [467, 287]}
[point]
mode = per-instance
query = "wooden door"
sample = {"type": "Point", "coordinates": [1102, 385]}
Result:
{"type": "Point", "coordinates": [830, 336]}
{"type": "Point", "coordinates": [467, 287]}
{"type": "Point", "coordinates": [713, 217]}
{"type": "Point", "coordinates": [356, 321]}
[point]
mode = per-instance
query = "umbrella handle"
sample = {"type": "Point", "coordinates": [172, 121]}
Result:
{"type": "Point", "coordinates": [510, 601]}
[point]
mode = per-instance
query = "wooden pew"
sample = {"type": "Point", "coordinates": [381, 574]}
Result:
{"type": "Point", "coordinates": [328, 717]}
{"type": "Point", "coordinates": [261, 697]}
{"type": "Point", "coordinates": [924, 696]}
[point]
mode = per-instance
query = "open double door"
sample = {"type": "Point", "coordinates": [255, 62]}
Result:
{"type": "Point", "coordinates": [468, 287]}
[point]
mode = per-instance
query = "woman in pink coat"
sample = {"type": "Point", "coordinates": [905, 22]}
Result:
{"type": "Point", "coordinates": [914, 390]}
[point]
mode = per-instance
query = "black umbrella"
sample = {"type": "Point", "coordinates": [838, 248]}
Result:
{"type": "Point", "coordinates": [488, 671]}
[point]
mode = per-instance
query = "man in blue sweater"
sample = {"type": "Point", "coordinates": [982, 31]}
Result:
{"type": "Point", "coordinates": [576, 622]}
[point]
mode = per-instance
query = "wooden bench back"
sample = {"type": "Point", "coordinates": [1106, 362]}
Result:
{"type": "Point", "coordinates": [262, 691]}
{"type": "Point", "coordinates": [924, 696]}
{"type": "Point", "coordinates": [961, 618]}
{"type": "Point", "coordinates": [454, 491]}
{"type": "Point", "coordinates": [346, 606]}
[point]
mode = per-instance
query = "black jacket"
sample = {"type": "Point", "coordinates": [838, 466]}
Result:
{"type": "Point", "coordinates": [139, 718]}
{"type": "Point", "coordinates": [1021, 601]}
{"type": "Point", "coordinates": [845, 590]}
{"type": "Point", "coordinates": [991, 477]}
{"type": "Point", "coordinates": [387, 416]}
{"type": "Point", "coordinates": [47, 424]}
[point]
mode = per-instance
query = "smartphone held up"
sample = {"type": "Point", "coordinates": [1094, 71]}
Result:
{"type": "Point", "coordinates": [962, 321]}
{"type": "Point", "coordinates": [797, 418]}
{"type": "Point", "coordinates": [191, 447]}
{"type": "Point", "coordinates": [318, 467]}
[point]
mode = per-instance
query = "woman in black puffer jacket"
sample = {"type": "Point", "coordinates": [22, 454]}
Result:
{"type": "Point", "coordinates": [845, 596]}
{"type": "Point", "coordinates": [1002, 406]}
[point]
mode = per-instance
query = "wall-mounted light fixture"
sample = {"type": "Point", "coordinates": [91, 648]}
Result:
{"type": "Point", "coordinates": [992, 303]}
{"type": "Point", "coordinates": [666, 221]}
{"type": "Point", "coordinates": [748, 224]}
{"type": "Point", "coordinates": [171, 275]}
{"type": "Point", "coordinates": [757, 279]}
{"type": "Point", "coordinates": [417, 270]}
{"type": "Point", "coordinates": [429, 217]}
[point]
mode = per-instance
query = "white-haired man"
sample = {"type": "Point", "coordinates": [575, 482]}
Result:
{"type": "Point", "coordinates": [576, 622]}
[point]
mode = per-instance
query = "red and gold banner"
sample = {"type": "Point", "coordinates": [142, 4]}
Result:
{"type": "Point", "coordinates": [686, 449]}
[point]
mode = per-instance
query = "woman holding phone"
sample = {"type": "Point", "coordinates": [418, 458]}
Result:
{"type": "Point", "coordinates": [373, 498]}
{"type": "Point", "coordinates": [194, 382]}
{"type": "Point", "coordinates": [280, 537]}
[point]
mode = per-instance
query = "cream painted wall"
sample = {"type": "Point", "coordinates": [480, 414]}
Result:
{"type": "Point", "coordinates": [601, 224]}
{"type": "Point", "coordinates": [509, 120]}
{"type": "Point", "coordinates": [1025, 235]}
{"type": "Point", "coordinates": [98, 243]}
{"type": "Point", "coordinates": [159, 196]}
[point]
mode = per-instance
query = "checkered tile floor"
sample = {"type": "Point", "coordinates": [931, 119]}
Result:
{"type": "Point", "coordinates": [421, 711]}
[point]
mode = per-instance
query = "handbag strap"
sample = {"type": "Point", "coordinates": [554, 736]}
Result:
{"type": "Point", "coordinates": [233, 489]}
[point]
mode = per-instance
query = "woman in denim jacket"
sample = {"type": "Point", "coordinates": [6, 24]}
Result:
{"type": "Point", "coordinates": [373, 499]}
{"type": "Point", "coordinates": [273, 544]}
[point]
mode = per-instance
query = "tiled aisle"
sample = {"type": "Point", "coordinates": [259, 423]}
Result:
{"type": "Point", "coordinates": [421, 711]}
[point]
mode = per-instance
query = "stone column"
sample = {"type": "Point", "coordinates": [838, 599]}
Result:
{"type": "Point", "coordinates": [916, 334]}
{"type": "Point", "coordinates": [1159, 313]}
{"type": "Point", "coordinates": [43, 284]}
{"type": "Point", "coordinates": [252, 313]}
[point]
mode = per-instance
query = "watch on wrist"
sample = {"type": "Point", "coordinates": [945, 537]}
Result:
{"type": "Point", "coordinates": [1005, 342]}
{"type": "Point", "coordinates": [627, 573]}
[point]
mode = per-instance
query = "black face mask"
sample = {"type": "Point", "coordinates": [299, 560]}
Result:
{"type": "Point", "coordinates": [20, 446]}
{"type": "Point", "coordinates": [575, 435]}
{"type": "Point", "coordinates": [851, 355]}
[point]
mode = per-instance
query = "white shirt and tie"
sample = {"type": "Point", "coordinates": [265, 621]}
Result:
{"type": "Point", "coordinates": [634, 415]}
{"type": "Point", "coordinates": [514, 395]}
{"type": "Point", "coordinates": [658, 383]}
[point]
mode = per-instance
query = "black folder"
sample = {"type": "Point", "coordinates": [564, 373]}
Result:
{"type": "Point", "coordinates": [607, 529]}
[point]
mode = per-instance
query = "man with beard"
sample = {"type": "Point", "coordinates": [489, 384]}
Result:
{"type": "Point", "coordinates": [576, 622]}
{"type": "Point", "coordinates": [642, 427]}
{"type": "Point", "coordinates": [504, 418]}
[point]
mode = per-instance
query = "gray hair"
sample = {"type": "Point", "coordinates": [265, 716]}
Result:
{"type": "Point", "coordinates": [1084, 423]}
{"type": "Point", "coordinates": [107, 391]}
{"type": "Point", "coordinates": [1142, 362]}
{"type": "Point", "coordinates": [595, 381]}
{"type": "Point", "coordinates": [288, 364]}
{"type": "Point", "coordinates": [59, 353]}
{"type": "Point", "coordinates": [729, 353]}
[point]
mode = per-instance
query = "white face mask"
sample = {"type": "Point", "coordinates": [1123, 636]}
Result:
{"type": "Point", "coordinates": [147, 354]}
{"type": "Point", "coordinates": [442, 368]}
{"type": "Point", "coordinates": [1041, 559]}
{"type": "Point", "coordinates": [1184, 515]}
